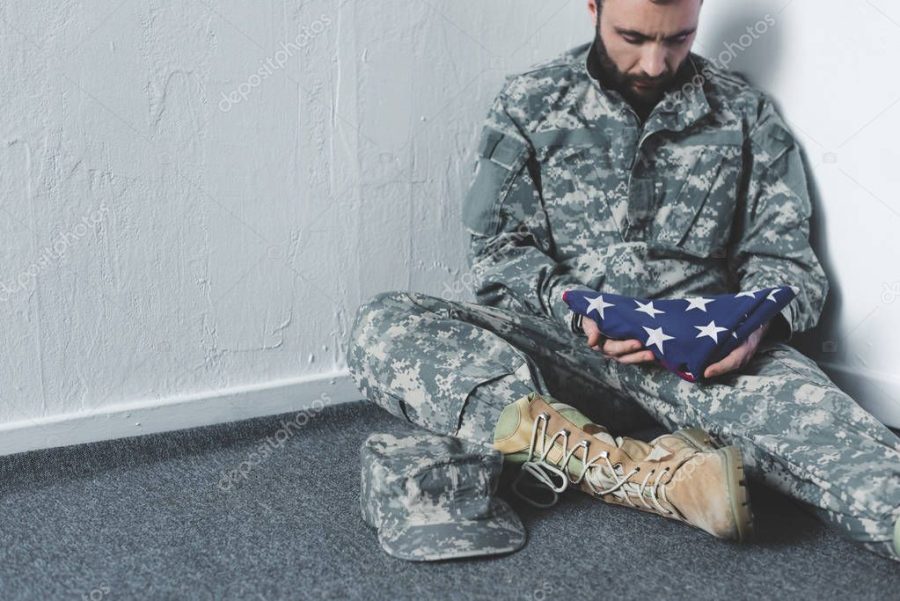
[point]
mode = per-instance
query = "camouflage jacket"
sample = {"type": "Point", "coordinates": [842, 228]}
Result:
{"type": "Point", "coordinates": [707, 196]}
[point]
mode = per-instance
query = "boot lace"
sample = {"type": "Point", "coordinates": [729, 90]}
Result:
{"type": "Point", "coordinates": [617, 483]}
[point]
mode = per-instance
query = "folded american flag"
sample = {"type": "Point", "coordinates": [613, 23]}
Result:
{"type": "Point", "coordinates": [686, 335]}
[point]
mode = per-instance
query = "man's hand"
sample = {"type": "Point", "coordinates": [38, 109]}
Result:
{"type": "Point", "coordinates": [623, 351]}
{"type": "Point", "coordinates": [740, 356]}
{"type": "Point", "coordinates": [629, 351]}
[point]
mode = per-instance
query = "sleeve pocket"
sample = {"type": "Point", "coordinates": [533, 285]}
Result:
{"type": "Point", "coordinates": [500, 159]}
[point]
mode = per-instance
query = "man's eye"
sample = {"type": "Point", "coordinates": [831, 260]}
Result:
{"type": "Point", "coordinates": [633, 39]}
{"type": "Point", "coordinates": [679, 40]}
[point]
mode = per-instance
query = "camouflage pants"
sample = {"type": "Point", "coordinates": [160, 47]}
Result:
{"type": "Point", "coordinates": [452, 367]}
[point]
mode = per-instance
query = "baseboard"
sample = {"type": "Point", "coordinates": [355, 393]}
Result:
{"type": "Point", "coordinates": [877, 392]}
{"type": "Point", "coordinates": [164, 415]}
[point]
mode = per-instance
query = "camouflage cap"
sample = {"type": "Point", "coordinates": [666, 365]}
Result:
{"type": "Point", "coordinates": [431, 497]}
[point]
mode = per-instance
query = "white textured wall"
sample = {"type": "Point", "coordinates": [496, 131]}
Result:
{"type": "Point", "coordinates": [196, 195]}
{"type": "Point", "coordinates": [831, 68]}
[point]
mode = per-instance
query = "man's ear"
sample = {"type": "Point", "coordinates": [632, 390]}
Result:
{"type": "Point", "coordinates": [592, 10]}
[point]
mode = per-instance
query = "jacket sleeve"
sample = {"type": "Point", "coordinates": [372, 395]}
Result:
{"type": "Point", "coordinates": [773, 245]}
{"type": "Point", "coordinates": [510, 251]}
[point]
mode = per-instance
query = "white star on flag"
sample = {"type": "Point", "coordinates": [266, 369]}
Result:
{"type": "Point", "coordinates": [648, 309]}
{"type": "Point", "coordinates": [598, 305]}
{"type": "Point", "coordinates": [710, 330]}
{"type": "Point", "coordinates": [698, 303]}
{"type": "Point", "coordinates": [657, 337]}
{"type": "Point", "coordinates": [691, 340]}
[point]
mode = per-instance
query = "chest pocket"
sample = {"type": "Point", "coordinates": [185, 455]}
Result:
{"type": "Point", "coordinates": [699, 221]}
{"type": "Point", "coordinates": [583, 192]}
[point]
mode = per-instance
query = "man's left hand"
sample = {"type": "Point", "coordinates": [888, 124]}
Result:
{"type": "Point", "coordinates": [740, 356]}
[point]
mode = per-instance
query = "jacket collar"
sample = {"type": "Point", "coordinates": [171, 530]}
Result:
{"type": "Point", "coordinates": [681, 106]}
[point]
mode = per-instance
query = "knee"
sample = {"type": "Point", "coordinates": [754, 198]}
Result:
{"type": "Point", "coordinates": [381, 308]}
{"type": "Point", "coordinates": [372, 321]}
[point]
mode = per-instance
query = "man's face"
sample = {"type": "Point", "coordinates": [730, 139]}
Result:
{"type": "Point", "coordinates": [641, 45]}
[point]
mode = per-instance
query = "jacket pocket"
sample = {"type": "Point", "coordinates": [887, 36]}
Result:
{"type": "Point", "coordinates": [450, 394]}
{"type": "Point", "coordinates": [583, 192]}
{"type": "Point", "coordinates": [699, 221]}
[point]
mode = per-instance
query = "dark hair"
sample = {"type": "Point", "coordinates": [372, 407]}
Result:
{"type": "Point", "coordinates": [600, 6]}
{"type": "Point", "coordinates": [600, 2]}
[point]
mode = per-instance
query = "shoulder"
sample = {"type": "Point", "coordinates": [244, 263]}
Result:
{"type": "Point", "coordinates": [731, 92]}
{"type": "Point", "coordinates": [564, 61]}
{"type": "Point", "coordinates": [531, 94]}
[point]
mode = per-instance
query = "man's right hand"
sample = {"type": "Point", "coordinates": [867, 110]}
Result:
{"type": "Point", "coordinates": [623, 351]}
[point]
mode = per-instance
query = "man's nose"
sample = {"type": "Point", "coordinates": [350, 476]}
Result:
{"type": "Point", "coordinates": [653, 61]}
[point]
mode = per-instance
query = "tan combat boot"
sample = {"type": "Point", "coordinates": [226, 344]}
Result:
{"type": "Point", "coordinates": [681, 476]}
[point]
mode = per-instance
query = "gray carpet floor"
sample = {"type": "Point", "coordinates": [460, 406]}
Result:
{"type": "Point", "coordinates": [148, 518]}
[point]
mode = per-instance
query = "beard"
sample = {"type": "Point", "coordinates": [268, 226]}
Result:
{"type": "Point", "coordinates": [624, 83]}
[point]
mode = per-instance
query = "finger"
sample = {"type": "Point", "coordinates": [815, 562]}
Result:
{"type": "Point", "coordinates": [641, 357]}
{"type": "Point", "coordinates": [616, 348]}
{"type": "Point", "coordinates": [729, 363]}
{"type": "Point", "coordinates": [716, 369]}
{"type": "Point", "coordinates": [594, 335]}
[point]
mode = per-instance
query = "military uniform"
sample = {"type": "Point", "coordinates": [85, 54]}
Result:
{"type": "Point", "coordinates": [707, 196]}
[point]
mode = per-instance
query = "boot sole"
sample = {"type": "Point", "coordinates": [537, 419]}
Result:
{"type": "Point", "coordinates": [738, 492]}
